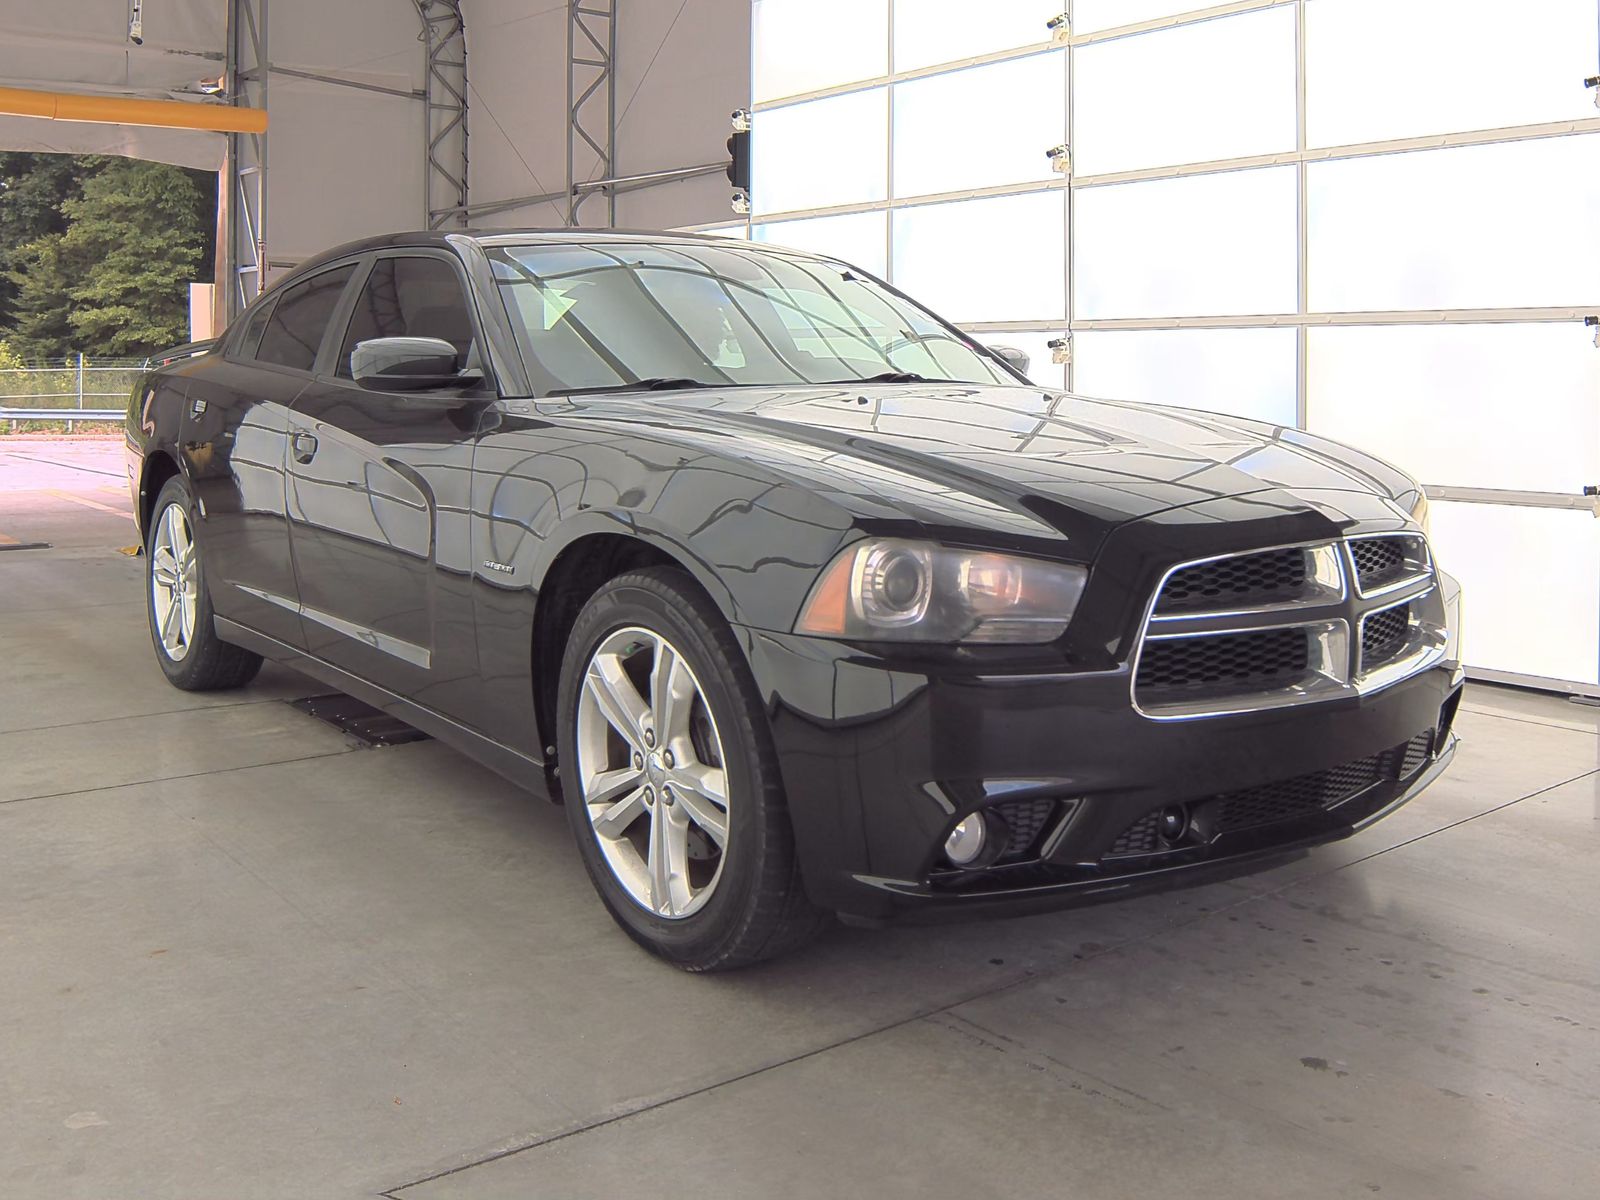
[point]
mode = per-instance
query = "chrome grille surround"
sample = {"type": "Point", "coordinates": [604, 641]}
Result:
{"type": "Point", "coordinates": [1331, 612]}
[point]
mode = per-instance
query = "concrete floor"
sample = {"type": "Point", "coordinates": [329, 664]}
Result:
{"type": "Point", "coordinates": [240, 957]}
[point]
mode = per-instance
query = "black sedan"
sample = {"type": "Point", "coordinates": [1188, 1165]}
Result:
{"type": "Point", "coordinates": [800, 600]}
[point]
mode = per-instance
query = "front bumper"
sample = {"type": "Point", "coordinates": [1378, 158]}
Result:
{"type": "Point", "coordinates": [879, 761]}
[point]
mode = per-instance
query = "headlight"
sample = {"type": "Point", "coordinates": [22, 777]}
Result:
{"type": "Point", "coordinates": [1419, 511]}
{"type": "Point", "coordinates": [916, 592]}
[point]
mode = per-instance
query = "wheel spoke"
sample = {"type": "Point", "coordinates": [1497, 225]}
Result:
{"type": "Point", "coordinates": [705, 814]}
{"type": "Point", "coordinates": [671, 694]}
{"type": "Point", "coordinates": [164, 566]}
{"type": "Point", "coordinates": [668, 864]}
{"type": "Point", "coordinates": [614, 822]}
{"type": "Point", "coordinates": [710, 782]}
{"type": "Point", "coordinates": [619, 701]}
{"type": "Point", "coordinates": [606, 786]}
{"type": "Point", "coordinates": [185, 617]}
{"type": "Point", "coordinates": [169, 620]}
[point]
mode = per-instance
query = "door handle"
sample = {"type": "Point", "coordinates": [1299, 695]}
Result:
{"type": "Point", "coordinates": [304, 446]}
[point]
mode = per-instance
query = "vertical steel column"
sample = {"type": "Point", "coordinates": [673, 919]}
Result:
{"type": "Point", "coordinates": [445, 121]}
{"type": "Point", "coordinates": [247, 69]}
{"type": "Point", "coordinates": [591, 99]}
{"type": "Point", "coordinates": [1302, 382]}
{"type": "Point", "coordinates": [1070, 243]}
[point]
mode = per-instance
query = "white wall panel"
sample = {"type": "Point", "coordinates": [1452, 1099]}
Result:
{"type": "Point", "coordinates": [940, 31]}
{"type": "Point", "coordinates": [1218, 89]}
{"type": "Point", "coordinates": [1495, 406]}
{"type": "Point", "coordinates": [984, 260]}
{"type": "Point", "coordinates": [1203, 245]}
{"type": "Point", "coordinates": [1378, 69]}
{"type": "Point", "coordinates": [979, 127]}
{"type": "Point", "coordinates": [821, 152]}
{"type": "Point", "coordinates": [1088, 16]}
{"type": "Point", "coordinates": [1245, 372]}
{"type": "Point", "coordinates": [858, 238]}
{"type": "Point", "coordinates": [1508, 558]}
{"type": "Point", "coordinates": [1497, 226]}
{"type": "Point", "coordinates": [803, 45]}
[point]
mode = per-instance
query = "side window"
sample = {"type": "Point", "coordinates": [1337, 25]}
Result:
{"type": "Point", "coordinates": [409, 297]}
{"type": "Point", "coordinates": [300, 318]}
{"type": "Point", "coordinates": [244, 346]}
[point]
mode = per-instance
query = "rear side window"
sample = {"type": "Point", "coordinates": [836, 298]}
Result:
{"type": "Point", "coordinates": [249, 338]}
{"type": "Point", "coordinates": [409, 297]}
{"type": "Point", "coordinates": [300, 318]}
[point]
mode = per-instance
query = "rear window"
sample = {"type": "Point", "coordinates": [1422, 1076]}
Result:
{"type": "Point", "coordinates": [299, 320]}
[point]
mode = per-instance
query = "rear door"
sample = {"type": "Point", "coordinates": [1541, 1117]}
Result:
{"type": "Point", "coordinates": [236, 425]}
{"type": "Point", "coordinates": [378, 492]}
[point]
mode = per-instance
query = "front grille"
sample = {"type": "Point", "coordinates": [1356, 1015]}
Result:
{"type": "Point", "coordinates": [1416, 752]}
{"type": "Point", "coordinates": [1226, 661]}
{"type": "Point", "coordinates": [1383, 635]}
{"type": "Point", "coordinates": [1273, 803]}
{"type": "Point", "coordinates": [1384, 560]}
{"type": "Point", "coordinates": [1245, 580]}
{"type": "Point", "coordinates": [1026, 819]}
{"type": "Point", "coordinates": [1142, 837]}
{"type": "Point", "coordinates": [1292, 798]}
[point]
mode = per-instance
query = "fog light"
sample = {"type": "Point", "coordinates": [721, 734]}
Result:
{"type": "Point", "coordinates": [1174, 822]}
{"type": "Point", "coordinates": [966, 840]}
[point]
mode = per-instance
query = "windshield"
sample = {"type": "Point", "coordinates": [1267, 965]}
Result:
{"type": "Point", "coordinates": [613, 316]}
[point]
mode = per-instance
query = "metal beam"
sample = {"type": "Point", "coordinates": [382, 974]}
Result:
{"type": "Point", "coordinates": [591, 100]}
{"type": "Point", "coordinates": [445, 124]}
{"type": "Point", "coordinates": [247, 73]}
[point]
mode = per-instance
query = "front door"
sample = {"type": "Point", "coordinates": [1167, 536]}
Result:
{"type": "Point", "coordinates": [378, 496]}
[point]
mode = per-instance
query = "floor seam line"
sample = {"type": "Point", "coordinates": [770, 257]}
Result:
{"type": "Point", "coordinates": [900, 1023]}
{"type": "Point", "coordinates": [1478, 712]}
{"type": "Point", "coordinates": [168, 712]}
{"type": "Point", "coordinates": [111, 787]}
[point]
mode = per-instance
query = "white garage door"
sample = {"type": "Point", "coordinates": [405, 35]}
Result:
{"type": "Point", "coordinates": [1375, 219]}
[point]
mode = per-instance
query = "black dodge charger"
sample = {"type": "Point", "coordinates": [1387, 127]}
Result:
{"type": "Point", "coordinates": [801, 601]}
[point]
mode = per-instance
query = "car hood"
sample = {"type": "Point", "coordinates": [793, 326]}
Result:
{"type": "Point", "coordinates": [1025, 459]}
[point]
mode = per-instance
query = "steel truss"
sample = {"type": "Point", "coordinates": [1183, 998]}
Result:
{"type": "Point", "coordinates": [246, 72]}
{"type": "Point", "coordinates": [445, 97]}
{"type": "Point", "coordinates": [591, 100]}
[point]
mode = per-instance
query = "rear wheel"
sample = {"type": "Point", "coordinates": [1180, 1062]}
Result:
{"type": "Point", "coordinates": [182, 624]}
{"type": "Point", "coordinates": [670, 780]}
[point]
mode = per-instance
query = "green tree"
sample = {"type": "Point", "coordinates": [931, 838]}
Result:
{"type": "Point", "coordinates": [44, 274]}
{"type": "Point", "coordinates": [33, 188]}
{"type": "Point", "coordinates": [136, 234]}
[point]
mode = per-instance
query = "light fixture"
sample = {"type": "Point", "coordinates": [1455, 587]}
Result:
{"type": "Point", "coordinates": [1060, 27]}
{"type": "Point", "coordinates": [966, 840]}
{"type": "Point", "coordinates": [1060, 159]}
{"type": "Point", "coordinates": [136, 22]}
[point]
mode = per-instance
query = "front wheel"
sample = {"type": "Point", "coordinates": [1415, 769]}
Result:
{"type": "Point", "coordinates": [670, 780]}
{"type": "Point", "coordinates": [182, 625]}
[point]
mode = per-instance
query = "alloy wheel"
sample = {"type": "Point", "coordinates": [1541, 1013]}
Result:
{"type": "Point", "coordinates": [650, 766]}
{"type": "Point", "coordinates": [174, 582]}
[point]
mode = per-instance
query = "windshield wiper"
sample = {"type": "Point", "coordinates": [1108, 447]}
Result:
{"type": "Point", "coordinates": [656, 383]}
{"type": "Point", "coordinates": [887, 377]}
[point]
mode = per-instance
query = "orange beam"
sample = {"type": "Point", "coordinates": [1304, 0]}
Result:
{"type": "Point", "coordinates": [120, 110]}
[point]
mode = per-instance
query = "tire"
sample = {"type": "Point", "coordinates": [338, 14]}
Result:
{"type": "Point", "coordinates": [191, 654]}
{"type": "Point", "coordinates": [737, 900]}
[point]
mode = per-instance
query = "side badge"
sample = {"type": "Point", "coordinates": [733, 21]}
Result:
{"type": "Point", "coordinates": [500, 567]}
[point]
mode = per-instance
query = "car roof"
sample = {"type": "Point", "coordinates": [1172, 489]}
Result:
{"type": "Point", "coordinates": [446, 239]}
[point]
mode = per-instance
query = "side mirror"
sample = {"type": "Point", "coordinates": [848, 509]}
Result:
{"type": "Point", "coordinates": [406, 364]}
{"type": "Point", "coordinates": [1015, 358]}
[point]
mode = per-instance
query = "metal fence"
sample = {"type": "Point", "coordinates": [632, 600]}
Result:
{"type": "Point", "coordinates": [72, 389]}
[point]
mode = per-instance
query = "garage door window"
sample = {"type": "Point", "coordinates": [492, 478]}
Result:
{"type": "Point", "coordinates": [301, 317]}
